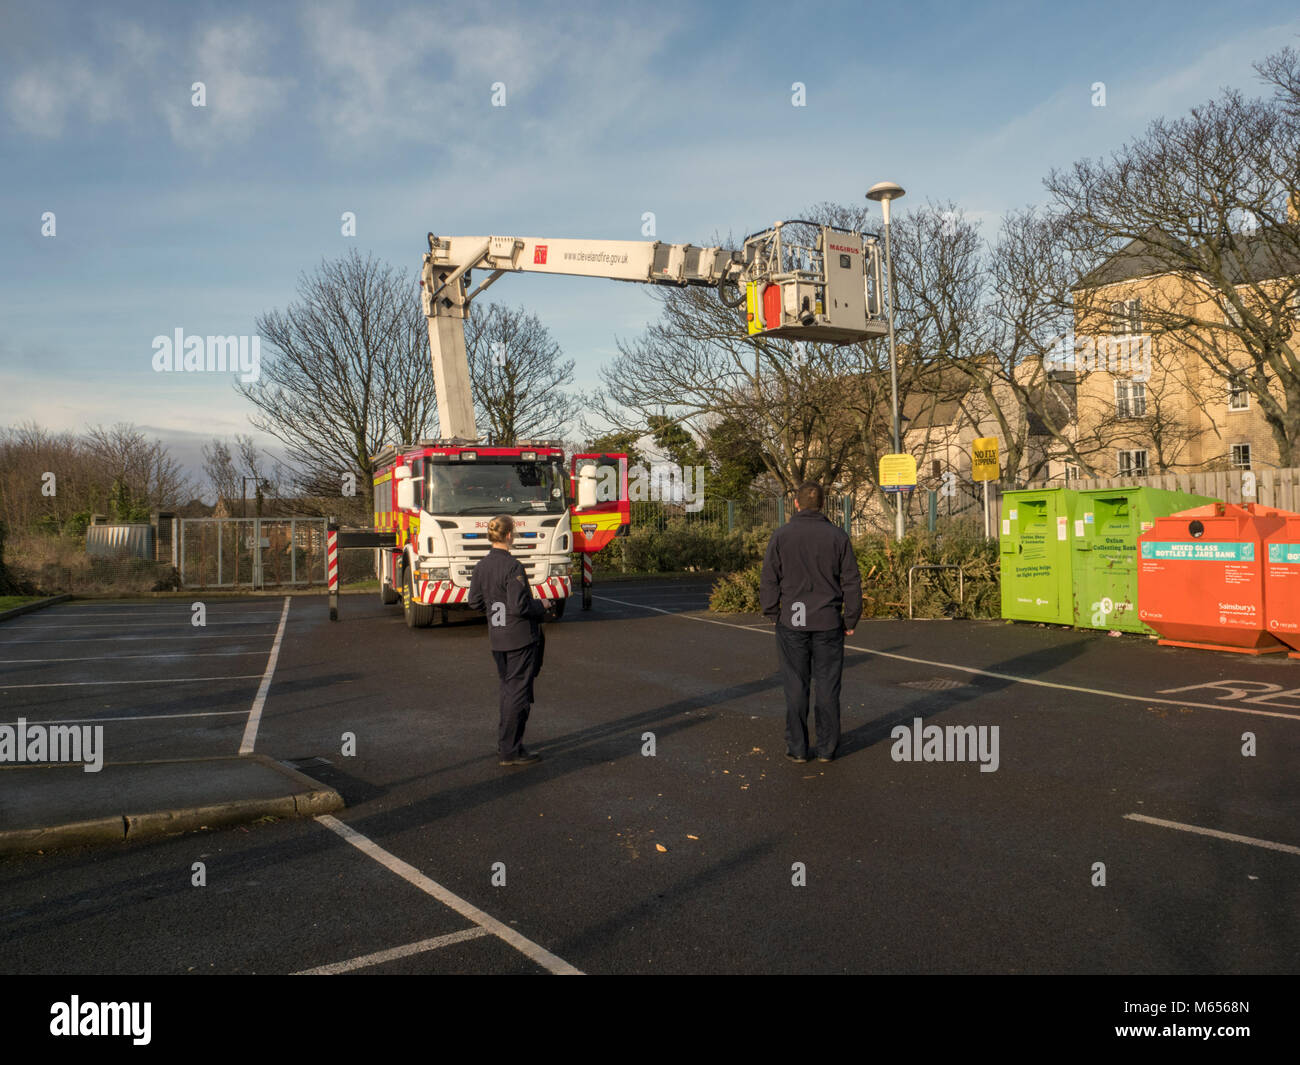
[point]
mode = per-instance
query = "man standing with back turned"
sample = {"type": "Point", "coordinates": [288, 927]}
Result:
{"type": "Point", "coordinates": [810, 575]}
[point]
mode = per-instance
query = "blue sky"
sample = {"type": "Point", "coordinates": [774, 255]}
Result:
{"type": "Point", "coordinates": [169, 216]}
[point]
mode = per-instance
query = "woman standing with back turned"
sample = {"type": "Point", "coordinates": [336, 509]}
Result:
{"type": "Point", "coordinates": [499, 587]}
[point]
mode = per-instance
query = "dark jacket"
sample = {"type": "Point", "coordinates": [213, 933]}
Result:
{"type": "Point", "coordinates": [500, 578]}
{"type": "Point", "coordinates": [810, 561]}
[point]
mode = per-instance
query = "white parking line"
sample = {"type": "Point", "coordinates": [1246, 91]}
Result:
{"type": "Point", "coordinates": [678, 595]}
{"type": "Point", "coordinates": [255, 714]}
{"type": "Point", "coordinates": [382, 956]}
{"type": "Point", "coordinates": [195, 635]}
{"type": "Point", "coordinates": [412, 875]}
{"type": "Point", "coordinates": [123, 658]}
{"type": "Point", "coordinates": [1285, 848]}
{"type": "Point", "coordinates": [133, 717]}
{"type": "Point", "coordinates": [180, 620]}
{"type": "Point", "coordinates": [98, 683]}
{"type": "Point", "coordinates": [1148, 699]}
{"type": "Point", "coordinates": [178, 612]}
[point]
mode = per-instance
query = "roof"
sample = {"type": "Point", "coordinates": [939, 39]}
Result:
{"type": "Point", "coordinates": [1257, 257]}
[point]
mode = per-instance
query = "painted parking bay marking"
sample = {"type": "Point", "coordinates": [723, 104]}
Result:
{"type": "Point", "coordinates": [1247, 691]}
{"type": "Point", "coordinates": [533, 951]}
{"type": "Point", "coordinates": [1106, 693]}
{"type": "Point", "coordinates": [1267, 844]}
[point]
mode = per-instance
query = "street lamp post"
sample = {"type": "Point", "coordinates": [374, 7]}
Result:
{"type": "Point", "coordinates": [882, 193]}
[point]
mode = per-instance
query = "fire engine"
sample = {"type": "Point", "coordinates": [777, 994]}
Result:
{"type": "Point", "coordinates": [434, 498]}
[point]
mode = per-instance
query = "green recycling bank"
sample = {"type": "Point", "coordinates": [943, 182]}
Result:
{"type": "Point", "coordinates": [1070, 557]}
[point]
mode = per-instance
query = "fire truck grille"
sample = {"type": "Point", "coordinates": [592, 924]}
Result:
{"type": "Point", "coordinates": [531, 568]}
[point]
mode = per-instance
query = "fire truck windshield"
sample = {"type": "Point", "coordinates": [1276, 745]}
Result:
{"type": "Point", "coordinates": [495, 487]}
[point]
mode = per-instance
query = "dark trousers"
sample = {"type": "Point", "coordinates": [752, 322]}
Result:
{"type": "Point", "coordinates": [816, 659]}
{"type": "Point", "coordinates": [516, 669]}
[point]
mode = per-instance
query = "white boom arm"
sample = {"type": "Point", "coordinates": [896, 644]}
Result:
{"type": "Point", "coordinates": [826, 291]}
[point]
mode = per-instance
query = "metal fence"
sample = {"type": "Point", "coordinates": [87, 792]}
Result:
{"type": "Point", "coordinates": [731, 515]}
{"type": "Point", "coordinates": [1273, 487]}
{"type": "Point", "coordinates": [251, 552]}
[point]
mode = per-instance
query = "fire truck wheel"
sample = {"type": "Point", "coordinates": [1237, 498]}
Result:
{"type": "Point", "coordinates": [418, 615]}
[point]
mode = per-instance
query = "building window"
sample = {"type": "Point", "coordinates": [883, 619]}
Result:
{"type": "Point", "coordinates": [1130, 399]}
{"type": "Point", "coordinates": [1133, 463]}
{"type": "Point", "coordinates": [1126, 317]}
{"type": "Point", "coordinates": [1241, 456]}
{"type": "Point", "coordinates": [1071, 472]}
{"type": "Point", "coordinates": [936, 468]}
{"type": "Point", "coordinates": [1231, 315]}
{"type": "Point", "coordinates": [1238, 395]}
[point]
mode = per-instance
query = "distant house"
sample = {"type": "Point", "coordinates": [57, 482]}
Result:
{"type": "Point", "coordinates": [1154, 357]}
{"type": "Point", "coordinates": [195, 508]}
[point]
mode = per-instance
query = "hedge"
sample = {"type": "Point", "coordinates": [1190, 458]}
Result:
{"type": "Point", "coordinates": [884, 563]}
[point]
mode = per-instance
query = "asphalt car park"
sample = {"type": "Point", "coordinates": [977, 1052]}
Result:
{"type": "Point", "coordinates": [1123, 828]}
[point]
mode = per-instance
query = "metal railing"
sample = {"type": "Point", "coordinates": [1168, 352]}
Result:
{"type": "Point", "coordinates": [961, 585]}
{"type": "Point", "coordinates": [251, 552]}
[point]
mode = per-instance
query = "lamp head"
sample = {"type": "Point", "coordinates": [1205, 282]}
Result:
{"type": "Point", "coordinates": [882, 192]}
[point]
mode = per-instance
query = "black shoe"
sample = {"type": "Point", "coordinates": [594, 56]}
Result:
{"type": "Point", "coordinates": [796, 759]}
{"type": "Point", "coordinates": [522, 758]}
{"type": "Point", "coordinates": [823, 758]}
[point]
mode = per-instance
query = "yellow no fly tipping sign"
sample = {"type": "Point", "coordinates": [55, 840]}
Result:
{"type": "Point", "coordinates": [984, 459]}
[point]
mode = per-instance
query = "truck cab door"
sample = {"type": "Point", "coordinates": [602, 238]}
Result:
{"type": "Point", "coordinates": [601, 506]}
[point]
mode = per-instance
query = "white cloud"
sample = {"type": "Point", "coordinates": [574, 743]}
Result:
{"type": "Point", "coordinates": [423, 78]}
{"type": "Point", "coordinates": [41, 99]}
{"type": "Point", "coordinates": [129, 87]}
{"type": "Point", "coordinates": [225, 58]}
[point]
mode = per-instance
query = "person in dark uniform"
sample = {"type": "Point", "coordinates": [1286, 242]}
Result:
{"type": "Point", "coordinates": [499, 587]}
{"type": "Point", "coordinates": [811, 588]}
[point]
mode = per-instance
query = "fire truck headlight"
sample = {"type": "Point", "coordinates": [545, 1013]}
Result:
{"type": "Point", "coordinates": [559, 569]}
{"type": "Point", "coordinates": [437, 573]}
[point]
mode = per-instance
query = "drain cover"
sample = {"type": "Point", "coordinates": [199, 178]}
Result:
{"type": "Point", "coordinates": [934, 684]}
{"type": "Point", "coordinates": [307, 763]}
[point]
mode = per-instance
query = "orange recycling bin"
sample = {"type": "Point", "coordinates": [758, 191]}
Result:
{"type": "Point", "coordinates": [1201, 577]}
{"type": "Point", "coordinates": [1282, 583]}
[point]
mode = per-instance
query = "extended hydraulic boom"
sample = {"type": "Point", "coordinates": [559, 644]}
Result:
{"type": "Point", "coordinates": [827, 291]}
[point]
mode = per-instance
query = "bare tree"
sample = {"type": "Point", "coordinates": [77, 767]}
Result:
{"type": "Point", "coordinates": [142, 466]}
{"type": "Point", "coordinates": [1282, 71]}
{"type": "Point", "coordinates": [55, 481]}
{"type": "Point", "coordinates": [229, 472]}
{"type": "Point", "coordinates": [350, 372]}
{"type": "Point", "coordinates": [697, 363]}
{"type": "Point", "coordinates": [518, 375]}
{"type": "Point", "coordinates": [43, 478]}
{"type": "Point", "coordinates": [221, 471]}
{"type": "Point", "coordinates": [1210, 200]}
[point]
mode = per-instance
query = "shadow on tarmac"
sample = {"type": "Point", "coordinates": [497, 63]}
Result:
{"type": "Point", "coordinates": [928, 705]}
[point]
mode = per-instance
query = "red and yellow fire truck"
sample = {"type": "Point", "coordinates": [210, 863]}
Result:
{"type": "Point", "coordinates": [436, 498]}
